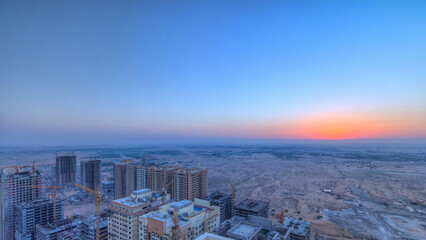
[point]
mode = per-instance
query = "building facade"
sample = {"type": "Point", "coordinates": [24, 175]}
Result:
{"type": "Point", "coordinates": [194, 219]}
{"type": "Point", "coordinates": [90, 173]}
{"type": "Point", "coordinates": [190, 183]}
{"type": "Point", "coordinates": [252, 207]}
{"type": "Point", "coordinates": [123, 217]}
{"type": "Point", "coordinates": [15, 188]}
{"type": "Point", "coordinates": [66, 169]}
{"type": "Point", "coordinates": [124, 179]}
{"type": "Point", "coordinates": [52, 231]}
{"type": "Point", "coordinates": [224, 201]}
{"type": "Point", "coordinates": [29, 214]}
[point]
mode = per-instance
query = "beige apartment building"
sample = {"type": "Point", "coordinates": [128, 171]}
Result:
{"type": "Point", "coordinates": [194, 219]}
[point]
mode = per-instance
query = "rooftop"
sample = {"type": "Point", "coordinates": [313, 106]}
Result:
{"type": "Point", "coordinates": [247, 231]}
{"type": "Point", "coordinates": [252, 205]}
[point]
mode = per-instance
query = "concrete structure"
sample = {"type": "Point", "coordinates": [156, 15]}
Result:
{"type": "Point", "coordinates": [15, 189]}
{"type": "Point", "coordinates": [195, 219]}
{"type": "Point", "coordinates": [292, 229]}
{"type": "Point", "coordinates": [29, 214]}
{"type": "Point", "coordinates": [52, 231]}
{"type": "Point", "coordinates": [252, 207]}
{"type": "Point", "coordinates": [66, 169]}
{"type": "Point", "coordinates": [190, 183]}
{"type": "Point", "coordinates": [90, 173]}
{"type": "Point", "coordinates": [87, 229]}
{"type": "Point", "coordinates": [123, 219]}
{"type": "Point", "coordinates": [224, 201]}
{"type": "Point", "coordinates": [141, 176]}
{"type": "Point", "coordinates": [124, 179]}
{"type": "Point", "coordinates": [255, 227]}
{"type": "Point", "coordinates": [211, 236]}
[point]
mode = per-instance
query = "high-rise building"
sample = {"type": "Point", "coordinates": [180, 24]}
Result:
{"type": "Point", "coordinates": [124, 179]}
{"type": "Point", "coordinates": [123, 219]}
{"type": "Point", "coordinates": [194, 218]}
{"type": "Point", "coordinates": [252, 207]}
{"type": "Point", "coordinates": [224, 201]}
{"type": "Point", "coordinates": [29, 214]}
{"type": "Point", "coordinates": [15, 188]}
{"type": "Point", "coordinates": [66, 169]}
{"type": "Point", "coordinates": [160, 177]}
{"type": "Point", "coordinates": [52, 231]}
{"type": "Point", "coordinates": [190, 183]}
{"type": "Point", "coordinates": [141, 178]}
{"type": "Point", "coordinates": [90, 173]}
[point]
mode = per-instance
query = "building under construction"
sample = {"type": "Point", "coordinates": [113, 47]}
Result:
{"type": "Point", "coordinates": [90, 173]}
{"type": "Point", "coordinates": [252, 207]}
{"type": "Point", "coordinates": [15, 188]}
{"type": "Point", "coordinates": [224, 201]}
{"type": "Point", "coordinates": [52, 231]}
{"type": "Point", "coordinates": [30, 214]}
{"type": "Point", "coordinates": [66, 169]}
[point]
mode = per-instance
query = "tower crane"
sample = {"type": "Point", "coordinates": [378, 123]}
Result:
{"type": "Point", "coordinates": [164, 192]}
{"type": "Point", "coordinates": [176, 229]}
{"type": "Point", "coordinates": [233, 193]}
{"type": "Point", "coordinates": [281, 215]}
{"type": "Point", "coordinates": [98, 205]}
{"type": "Point", "coordinates": [54, 195]}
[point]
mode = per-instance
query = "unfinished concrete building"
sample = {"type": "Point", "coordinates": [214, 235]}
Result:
{"type": "Point", "coordinates": [90, 173]}
{"type": "Point", "coordinates": [224, 201]}
{"type": "Point", "coordinates": [123, 219]}
{"type": "Point", "coordinates": [292, 229]}
{"type": "Point", "coordinates": [52, 231]}
{"type": "Point", "coordinates": [15, 188]}
{"type": "Point", "coordinates": [29, 214]}
{"type": "Point", "coordinates": [252, 207]}
{"type": "Point", "coordinates": [66, 169]}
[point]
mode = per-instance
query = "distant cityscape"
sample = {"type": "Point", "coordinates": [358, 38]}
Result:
{"type": "Point", "coordinates": [145, 200]}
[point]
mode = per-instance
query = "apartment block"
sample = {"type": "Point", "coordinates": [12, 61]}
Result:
{"type": "Point", "coordinates": [194, 219]}
{"type": "Point", "coordinates": [66, 169]}
{"type": "Point", "coordinates": [190, 183]}
{"type": "Point", "coordinates": [124, 179]}
{"type": "Point", "coordinates": [15, 188]}
{"type": "Point", "coordinates": [224, 201]}
{"type": "Point", "coordinates": [29, 214]}
{"type": "Point", "coordinates": [90, 173]}
{"type": "Point", "coordinates": [252, 207]}
{"type": "Point", "coordinates": [123, 219]}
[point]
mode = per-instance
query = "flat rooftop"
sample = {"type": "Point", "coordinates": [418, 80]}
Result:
{"type": "Point", "coordinates": [252, 205]}
{"type": "Point", "coordinates": [130, 202]}
{"type": "Point", "coordinates": [245, 230]}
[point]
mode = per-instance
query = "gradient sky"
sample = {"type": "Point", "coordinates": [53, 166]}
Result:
{"type": "Point", "coordinates": [121, 72]}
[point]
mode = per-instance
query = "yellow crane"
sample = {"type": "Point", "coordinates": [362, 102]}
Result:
{"type": "Point", "coordinates": [98, 206]}
{"type": "Point", "coordinates": [176, 230]}
{"type": "Point", "coordinates": [233, 193]}
{"type": "Point", "coordinates": [54, 195]}
{"type": "Point", "coordinates": [281, 215]}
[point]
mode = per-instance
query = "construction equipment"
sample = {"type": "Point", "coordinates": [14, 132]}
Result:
{"type": "Point", "coordinates": [233, 193]}
{"type": "Point", "coordinates": [164, 192]}
{"type": "Point", "coordinates": [54, 195]}
{"type": "Point", "coordinates": [281, 215]}
{"type": "Point", "coordinates": [143, 159]}
{"type": "Point", "coordinates": [98, 206]}
{"type": "Point", "coordinates": [177, 232]}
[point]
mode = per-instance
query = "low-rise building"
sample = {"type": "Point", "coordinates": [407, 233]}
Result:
{"type": "Point", "coordinates": [252, 207]}
{"type": "Point", "coordinates": [53, 230]}
{"type": "Point", "coordinates": [194, 219]}
{"type": "Point", "coordinates": [123, 219]}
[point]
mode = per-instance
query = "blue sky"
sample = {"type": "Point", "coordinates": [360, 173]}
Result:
{"type": "Point", "coordinates": [78, 71]}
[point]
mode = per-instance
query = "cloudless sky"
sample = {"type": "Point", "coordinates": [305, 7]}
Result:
{"type": "Point", "coordinates": [126, 71]}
